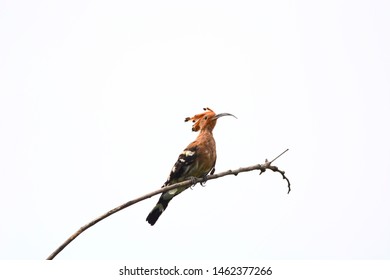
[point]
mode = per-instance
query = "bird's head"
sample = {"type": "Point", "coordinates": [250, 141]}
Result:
{"type": "Point", "coordinates": [206, 120]}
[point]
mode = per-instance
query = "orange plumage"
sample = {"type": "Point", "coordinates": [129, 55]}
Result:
{"type": "Point", "coordinates": [197, 160]}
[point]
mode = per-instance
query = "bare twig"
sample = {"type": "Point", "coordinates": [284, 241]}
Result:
{"type": "Point", "coordinates": [193, 181]}
{"type": "Point", "coordinates": [285, 151]}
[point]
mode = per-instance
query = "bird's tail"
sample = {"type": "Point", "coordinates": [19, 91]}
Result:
{"type": "Point", "coordinates": [156, 212]}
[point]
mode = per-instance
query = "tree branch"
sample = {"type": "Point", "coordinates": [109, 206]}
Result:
{"type": "Point", "coordinates": [191, 182]}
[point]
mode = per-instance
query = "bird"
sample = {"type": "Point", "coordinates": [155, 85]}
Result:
{"type": "Point", "coordinates": [196, 161]}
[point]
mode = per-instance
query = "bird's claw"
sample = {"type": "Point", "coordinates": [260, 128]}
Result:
{"type": "Point", "coordinates": [203, 183]}
{"type": "Point", "coordinates": [193, 181]}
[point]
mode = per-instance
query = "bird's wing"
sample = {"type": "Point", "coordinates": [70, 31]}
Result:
{"type": "Point", "coordinates": [184, 164]}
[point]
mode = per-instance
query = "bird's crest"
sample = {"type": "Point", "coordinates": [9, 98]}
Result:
{"type": "Point", "coordinates": [197, 118]}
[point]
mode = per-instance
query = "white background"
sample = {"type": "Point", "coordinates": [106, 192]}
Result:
{"type": "Point", "coordinates": [93, 95]}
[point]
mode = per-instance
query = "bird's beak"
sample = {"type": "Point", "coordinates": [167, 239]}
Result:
{"type": "Point", "coordinates": [222, 115]}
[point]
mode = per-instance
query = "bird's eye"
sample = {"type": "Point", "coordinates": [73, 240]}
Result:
{"type": "Point", "coordinates": [205, 117]}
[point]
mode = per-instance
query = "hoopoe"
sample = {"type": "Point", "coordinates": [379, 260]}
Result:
{"type": "Point", "coordinates": [197, 160]}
